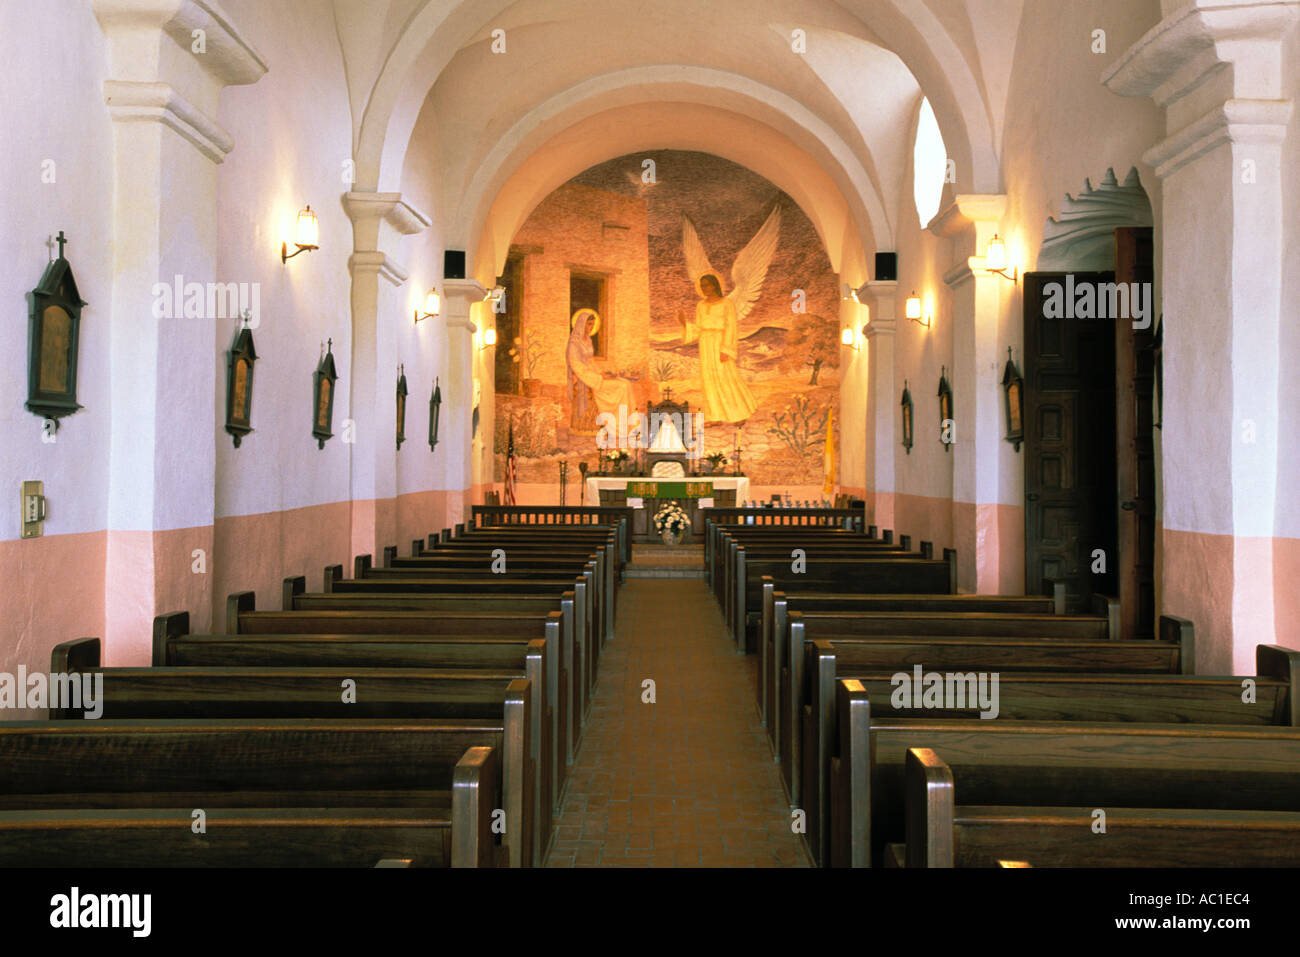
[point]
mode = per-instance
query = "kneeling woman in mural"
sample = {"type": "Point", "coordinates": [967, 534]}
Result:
{"type": "Point", "coordinates": [590, 391]}
{"type": "Point", "coordinates": [726, 397]}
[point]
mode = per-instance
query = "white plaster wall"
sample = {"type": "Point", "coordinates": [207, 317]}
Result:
{"type": "Point", "coordinates": [52, 108]}
{"type": "Point", "coordinates": [423, 347]}
{"type": "Point", "coordinates": [292, 133]}
{"type": "Point", "coordinates": [1288, 509]}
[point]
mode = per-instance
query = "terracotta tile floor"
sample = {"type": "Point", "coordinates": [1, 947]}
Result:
{"type": "Point", "coordinates": [688, 781]}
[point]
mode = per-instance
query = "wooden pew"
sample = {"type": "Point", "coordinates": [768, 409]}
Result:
{"type": "Point", "coordinates": [249, 692]}
{"type": "Point", "coordinates": [810, 732]}
{"type": "Point", "coordinates": [777, 604]}
{"type": "Point", "coordinates": [125, 792]}
{"type": "Point", "coordinates": [820, 543]}
{"type": "Point", "coordinates": [1049, 763]}
{"type": "Point", "coordinates": [350, 639]}
{"type": "Point", "coordinates": [943, 833]}
{"type": "Point", "coordinates": [897, 574]}
{"type": "Point", "coordinates": [462, 613]}
{"type": "Point", "coordinates": [586, 577]}
{"type": "Point", "coordinates": [1029, 696]}
{"type": "Point", "coordinates": [551, 517]}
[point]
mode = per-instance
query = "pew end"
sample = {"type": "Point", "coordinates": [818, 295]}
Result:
{"type": "Point", "coordinates": [435, 539]}
{"type": "Point", "coordinates": [929, 805]}
{"type": "Point", "coordinates": [333, 573]}
{"type": "Point", "coordinates": [474, 782]}
{"type": "Point", "coordinates": [1057, 592]}
{"type": "Point", "coordinates": [236, 605]}
{"type": "Point", "coordinates": [1179, 631]}
{"type": "Point", "coordinates": [927, 550]}
{"type": "Point", "coordinates": [361, 564]}
{"type": "Point", "coordinates": [390, 552]}
{"type": "Point", "coordinates": [417, 547]}
{"type": "Point", "coordinates": [296, 585]}
{"type": "Point", "coordinates": [1107, 606]}
{"type": "Point", "coordinates": [1278, 661]}
{"type": "Point", "coordinates": [77, 655]}
{"type": "Point", "coordinates": [166, 627]}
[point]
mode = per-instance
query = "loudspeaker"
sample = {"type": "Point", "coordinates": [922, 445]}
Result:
{"type": "Point", "coordinates": [453, 264]}
{"type": "Point", "coordinates": [886, 267]}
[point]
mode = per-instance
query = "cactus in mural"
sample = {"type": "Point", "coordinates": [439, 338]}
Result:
{"type": "Point", "coordinates": [801, 426]}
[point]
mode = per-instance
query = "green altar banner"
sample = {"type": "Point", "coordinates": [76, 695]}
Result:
{"type": "Point", "coordinates": [670, 490]}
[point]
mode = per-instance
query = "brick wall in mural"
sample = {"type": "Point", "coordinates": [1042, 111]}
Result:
{"type": "Point", "coordinates": [630, 253]}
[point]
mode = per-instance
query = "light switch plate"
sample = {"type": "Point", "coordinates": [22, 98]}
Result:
{"type": "Point", "coordinates": [33, 507]}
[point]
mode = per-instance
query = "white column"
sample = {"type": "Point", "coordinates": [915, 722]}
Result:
{"type": "Point", "coordinates": [161, 91]}
{"type": "Point", "coordinates": [1216, 69]}
{"type": "Point", "coordinates": [883, 394]}
{"type": "Point", "coordinates": [379, 222]}
{"type": "Point", "coordinates": [461, 297]}
{"type": "Point", "coordinates": [978, 452]}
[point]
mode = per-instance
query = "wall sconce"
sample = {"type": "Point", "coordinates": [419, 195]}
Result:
{"type": "Point", "coordinates": [497, 296]}
{"type": "Point", "coordinates": [489, 337]}
{"type": "Point", "coordinates": [995, 259]}
{"type": "Point", "coordinates": [849, 294]}
{"type": "Point", "coordinates": [432, 306]}
{"type": "Point", "coordinates": [914, 310]}
{"type": "Point", "coordinates": [847, 337]}
{"type": "Point", "coordinates": [308, 236]}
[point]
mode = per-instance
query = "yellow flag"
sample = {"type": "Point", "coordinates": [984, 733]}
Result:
{"type": "Point", "coordinates": [828, 462]}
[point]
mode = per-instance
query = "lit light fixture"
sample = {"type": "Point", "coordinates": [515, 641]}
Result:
{"type": "Point", "coordinates": [849, 294]}
{"type": "Point", "coordinates": [497, 296]}
{"type": "Point", "coordinates": [432, 306]}
{"type": "Point", "coordinates": [847, 338]}
{"type": "Point", "coordinates": [995, 259]}
{"type": "Point", "coordinates": [307, 238]}
{"type": "Point", "coordinates": [489, 337]}
{"type": "Point", "coordinates": [914, 310]}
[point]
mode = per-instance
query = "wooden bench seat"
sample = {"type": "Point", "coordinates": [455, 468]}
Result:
{"type": "Point", "coordinates": [777, 604]}
{"type": "Point", "coordinates": [904, 575]}
{"type": "Point", "coordinates": [463, 612]}
{"type": "Point", "coordinates": [1022, 696]}
{"type": "Point", "coordinates": [1048, 763]}
{"type": "Point", "coordinates": [486, 642]}
{"type": "Point", "coordinates": [67, 785]}
{"type": "Point", "coordinates": [384, 693]}
{"type": "Point", "coordinates": [943, 833]}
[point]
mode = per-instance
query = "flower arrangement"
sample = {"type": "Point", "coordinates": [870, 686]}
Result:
{"type": "Point", "coordinates": [717, 460]}
{"type": "Point", "coordinates": [671, 518]}
{"type": "Point", "coordinates": [614, 459]}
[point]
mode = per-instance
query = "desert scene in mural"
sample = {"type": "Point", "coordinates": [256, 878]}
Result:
{"type": "Point", "coordinates": [628, 247]}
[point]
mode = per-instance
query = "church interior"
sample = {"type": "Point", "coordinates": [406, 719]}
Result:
{"type": "Point", "coordinates": [559, 433]}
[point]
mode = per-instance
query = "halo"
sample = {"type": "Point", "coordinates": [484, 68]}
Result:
{"type": "Point", "coordinates": [722, 290]}
{"type": "Point", "coordinates": [573, 319]}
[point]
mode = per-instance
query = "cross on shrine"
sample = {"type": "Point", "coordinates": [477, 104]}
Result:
{"type": "Point", "coordinates": [668, 392]}
{"type": "Point", "coordinates": [62, 241]}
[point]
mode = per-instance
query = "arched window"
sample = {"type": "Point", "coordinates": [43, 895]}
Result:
{"type": "Point", "coordinates": [929, 165]}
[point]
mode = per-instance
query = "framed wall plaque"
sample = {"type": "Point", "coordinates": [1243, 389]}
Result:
{"type": "Point", "coordinates": [323, 398]}
{"type": "Point", "coordinates": [401, 406]}
{"type": "Point", "coordinates": [239, 385]}
{"type": "Point", "coordinates": [54, 332]}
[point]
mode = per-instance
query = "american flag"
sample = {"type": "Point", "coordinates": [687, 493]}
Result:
{"type": "Point", "coordinates": [510, 468]}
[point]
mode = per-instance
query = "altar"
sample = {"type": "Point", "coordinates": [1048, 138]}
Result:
{"type": "Point", "coordinates": [647, 494]}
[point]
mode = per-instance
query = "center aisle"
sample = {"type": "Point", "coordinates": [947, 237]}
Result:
{"type": "Point", "coordinates": [687, 781]}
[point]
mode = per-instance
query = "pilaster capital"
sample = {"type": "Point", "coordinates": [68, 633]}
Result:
{"type": "Point", "coordinates": [460, 296]}
{"type": "Point", "coordinates": [1193, 39]}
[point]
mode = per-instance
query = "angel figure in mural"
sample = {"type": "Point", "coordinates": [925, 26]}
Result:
{"type": "Point", "coordinates": [590, 390]}
{"type": "Point", "coordinates": [716, 325]}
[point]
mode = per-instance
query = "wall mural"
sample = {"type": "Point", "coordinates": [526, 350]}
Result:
{"type": "Point", "coordinates": [668, 274]}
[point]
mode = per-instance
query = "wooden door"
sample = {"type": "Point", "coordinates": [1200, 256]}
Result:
{"type": "Point", "coordinates": [1134, 443]}
{"type": "Point", "coordinates": [1069, 446]}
